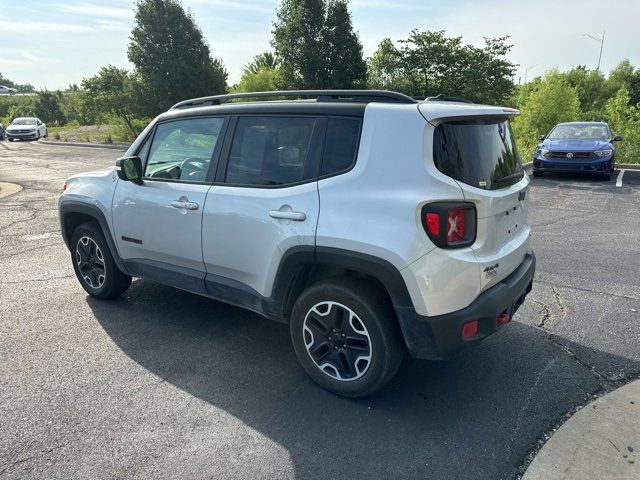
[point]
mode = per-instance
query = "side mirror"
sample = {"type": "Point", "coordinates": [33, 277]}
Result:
{"type": "Point", "coordinates": [617, 138]}
{"type": "Point", "coordinates": [541, 138]}
{"type": "Point", "coordinates": [130, 169]}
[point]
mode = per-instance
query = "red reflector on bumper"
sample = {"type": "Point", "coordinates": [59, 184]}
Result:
{"type": "Point", "coordinates": [503, 318]}
{"type": "Point", "coordinates": [470, 329]}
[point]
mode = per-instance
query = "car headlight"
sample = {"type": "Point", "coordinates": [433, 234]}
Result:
{"type": "Point", "coordinates": [604, 153]}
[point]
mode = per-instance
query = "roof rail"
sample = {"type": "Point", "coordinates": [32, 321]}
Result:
{"type": "Point", "coordinates": [320, 95]}
{"type": "Point", "coordinates": [442, 98]}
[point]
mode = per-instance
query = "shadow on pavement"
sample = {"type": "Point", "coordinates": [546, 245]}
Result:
{"type": "Point", "coordinates": [474, 417]}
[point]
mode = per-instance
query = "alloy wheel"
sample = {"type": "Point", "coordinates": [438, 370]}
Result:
{"type": "Point", "coordinates": [90, 262]}
{"type": "Point", "coordinates": [337, 341]}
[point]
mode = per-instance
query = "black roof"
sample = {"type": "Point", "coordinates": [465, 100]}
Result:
{"type": "Point", "coordinates": [298, 107]}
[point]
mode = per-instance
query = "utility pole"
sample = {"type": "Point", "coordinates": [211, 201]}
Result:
{"type": "Point", "coordinates": [526, 71]}
{"type": "Point", "coordinates": [600, 41]}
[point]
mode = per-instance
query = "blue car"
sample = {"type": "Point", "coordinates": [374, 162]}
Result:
{"type": "Point", "coordinates": [578, 147]}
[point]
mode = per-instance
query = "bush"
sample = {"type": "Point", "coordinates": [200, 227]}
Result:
{"type": "Point", "coordinates": [548, 102]}
{"type": "Point", "coordinates": [624, 119]}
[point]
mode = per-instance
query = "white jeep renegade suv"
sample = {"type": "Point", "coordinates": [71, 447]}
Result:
{"type": "Point", "coordinates": [372, 223]}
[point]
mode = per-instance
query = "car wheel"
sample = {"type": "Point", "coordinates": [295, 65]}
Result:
{"type": "Point", "coordinates": [11, 139]}
{"type": "Point", "coordinates": [536, 173]}
{"type": "Point", "coordinates": [93, 264]}
{"type": "Point", "coordinates": [346, 336]}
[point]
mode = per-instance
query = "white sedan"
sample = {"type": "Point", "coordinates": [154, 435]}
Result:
{"type": "Point", "coordinates": [7, 90]}
{"type": "Point", "coordinates": [26, 128]}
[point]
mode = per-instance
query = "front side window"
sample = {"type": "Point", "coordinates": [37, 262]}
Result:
{"type": "Point", "coordinates": [182, 150]}
{"type": "Point", "coordinates": [479, 152]}
{"type": "Point", "coordinates": [271, 151]}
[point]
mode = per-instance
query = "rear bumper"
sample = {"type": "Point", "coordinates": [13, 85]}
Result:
{"type": "Point", "coordinates": [439, 337]}
{"type": "Point", "coordinates": [601, 165]}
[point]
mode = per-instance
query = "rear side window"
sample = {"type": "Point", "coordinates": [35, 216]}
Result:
{"type": "Point", "coordinates": [341, 145]}
{"type": "Point", "coordinates": [271, 151]}
{"type": "Point", "coordinates": [481, 153]}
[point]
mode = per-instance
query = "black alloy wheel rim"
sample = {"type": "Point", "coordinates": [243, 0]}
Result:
{"type": "Point", "coordinates": [337, 341]}
{"type": "Point", "coordinates": [90, 262]}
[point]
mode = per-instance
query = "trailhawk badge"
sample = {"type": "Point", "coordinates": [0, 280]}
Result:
{"type": "Point", "coordinates": [492, 271]}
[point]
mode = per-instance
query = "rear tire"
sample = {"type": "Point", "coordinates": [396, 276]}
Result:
{"type": "Point", "coordinates": [93, 264]}
{"type": "Point", "coordinates": [346, 336]}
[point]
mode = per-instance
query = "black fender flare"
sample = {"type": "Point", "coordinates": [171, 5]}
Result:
{"type": "Point", "coordinates": [72, 206]}
{"type": "Point", "coordinates": [296, 258]}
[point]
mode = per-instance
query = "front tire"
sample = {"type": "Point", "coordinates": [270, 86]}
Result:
{"type": "Point", "coordinates": [93, 264]}
{"type": "Point", "coordinates": [346, 336]}
{"type": "Point", "coordinates": [536, 173]}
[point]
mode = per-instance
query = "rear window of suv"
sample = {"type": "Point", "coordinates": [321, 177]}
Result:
{"type": "Point", "coordinates": [479, 152]}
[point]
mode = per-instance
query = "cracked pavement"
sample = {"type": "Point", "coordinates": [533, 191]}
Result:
{"type": "Point", "coordinates": [166, 384]}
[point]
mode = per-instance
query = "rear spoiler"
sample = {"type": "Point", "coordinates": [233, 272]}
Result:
{"type": "Point", "coordinates": [437, 112]}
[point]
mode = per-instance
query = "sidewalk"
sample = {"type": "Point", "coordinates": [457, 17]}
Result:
{"type": "Point", "coordinates": [601, 441]}
{"type": "Point", "coordinates": [7, 189]}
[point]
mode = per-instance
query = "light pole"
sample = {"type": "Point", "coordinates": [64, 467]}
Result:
{"type": "Point", "coordinates": [600, 41]}
{"type": "Point", "coordinates": [526, 71]}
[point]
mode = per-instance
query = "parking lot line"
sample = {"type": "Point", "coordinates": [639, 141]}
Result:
{"type": "Point", "coordinates": [619, 179]}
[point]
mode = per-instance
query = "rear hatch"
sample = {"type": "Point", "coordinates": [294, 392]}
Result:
{"type": "Point", "coordinates": [474, 145]}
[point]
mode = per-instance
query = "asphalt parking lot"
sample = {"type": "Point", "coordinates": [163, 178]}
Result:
{"type": "Point", "coordinates": [166, 384]}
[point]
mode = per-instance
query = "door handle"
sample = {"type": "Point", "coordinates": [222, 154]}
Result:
{"type": "Point", "coordinates": [295, 216]}
{"type": "Point", "coordinates": [185, 205]}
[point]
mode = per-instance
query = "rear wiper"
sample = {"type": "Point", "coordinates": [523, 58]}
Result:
{"type": "Point", "coordinates": [509, 177]}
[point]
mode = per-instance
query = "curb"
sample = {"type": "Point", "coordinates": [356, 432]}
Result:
{"type": "Point", "coordinates": [600, 441]}
{"type": "Point", "coordinates": [122, 146]}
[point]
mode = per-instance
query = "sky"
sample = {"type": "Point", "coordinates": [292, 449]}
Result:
{"type": "Point", "coordinates": [53, 43]}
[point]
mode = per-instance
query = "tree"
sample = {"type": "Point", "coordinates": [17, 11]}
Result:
{"type": "Point", "coordinates": [345, 66]}
{"type": "Point", "coordinates": [627, 77]}
{"type": "Point", "coordinates": [48, 107]}
{"type": "Point", "coordinates": [624, 119]}
{"type": "Point", "coordinates": [593, 91]}
{"type": "Point", "coordinates": [385, 68]}
{"type": "Point", "coordinates": [552, 102]}
{"type": "Point", "coordinates": [263, 80]}
{"type": "Point", "coordinates": [431, 63]}
{"type": "Point", "coordinates": [112, 92]}
{"type": "Point", "coordinates": [171, 56]}
{"type": "Point", "coordinates": [265, 60]}
{"type": "Point", "coordinates": [297, 40]}
{"type": "Point", "coordinates": [21, 110]}
{"type": "Point", "coordinates": [317, 46]}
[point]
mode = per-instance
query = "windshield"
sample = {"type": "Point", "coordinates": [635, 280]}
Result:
{"type": "Point", "coordinates": [481, 153]}
{"type": "Point", "coordinates": [24, 121]}
{"type": "Point", "coordinates": [580, 132]}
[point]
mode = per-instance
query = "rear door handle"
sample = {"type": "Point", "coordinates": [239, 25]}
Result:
{"type": "Point", "coordinates": [185, 205]}
{"type": "Point", "coordinates": [295, 216]}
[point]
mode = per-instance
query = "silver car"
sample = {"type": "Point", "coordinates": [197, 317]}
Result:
{"type": "Point", "coordinates": [7, 90]}
{"type": "Point", "coordinates": [373, 224]}
{"type": "Point", "coordinates": [26, 128]}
